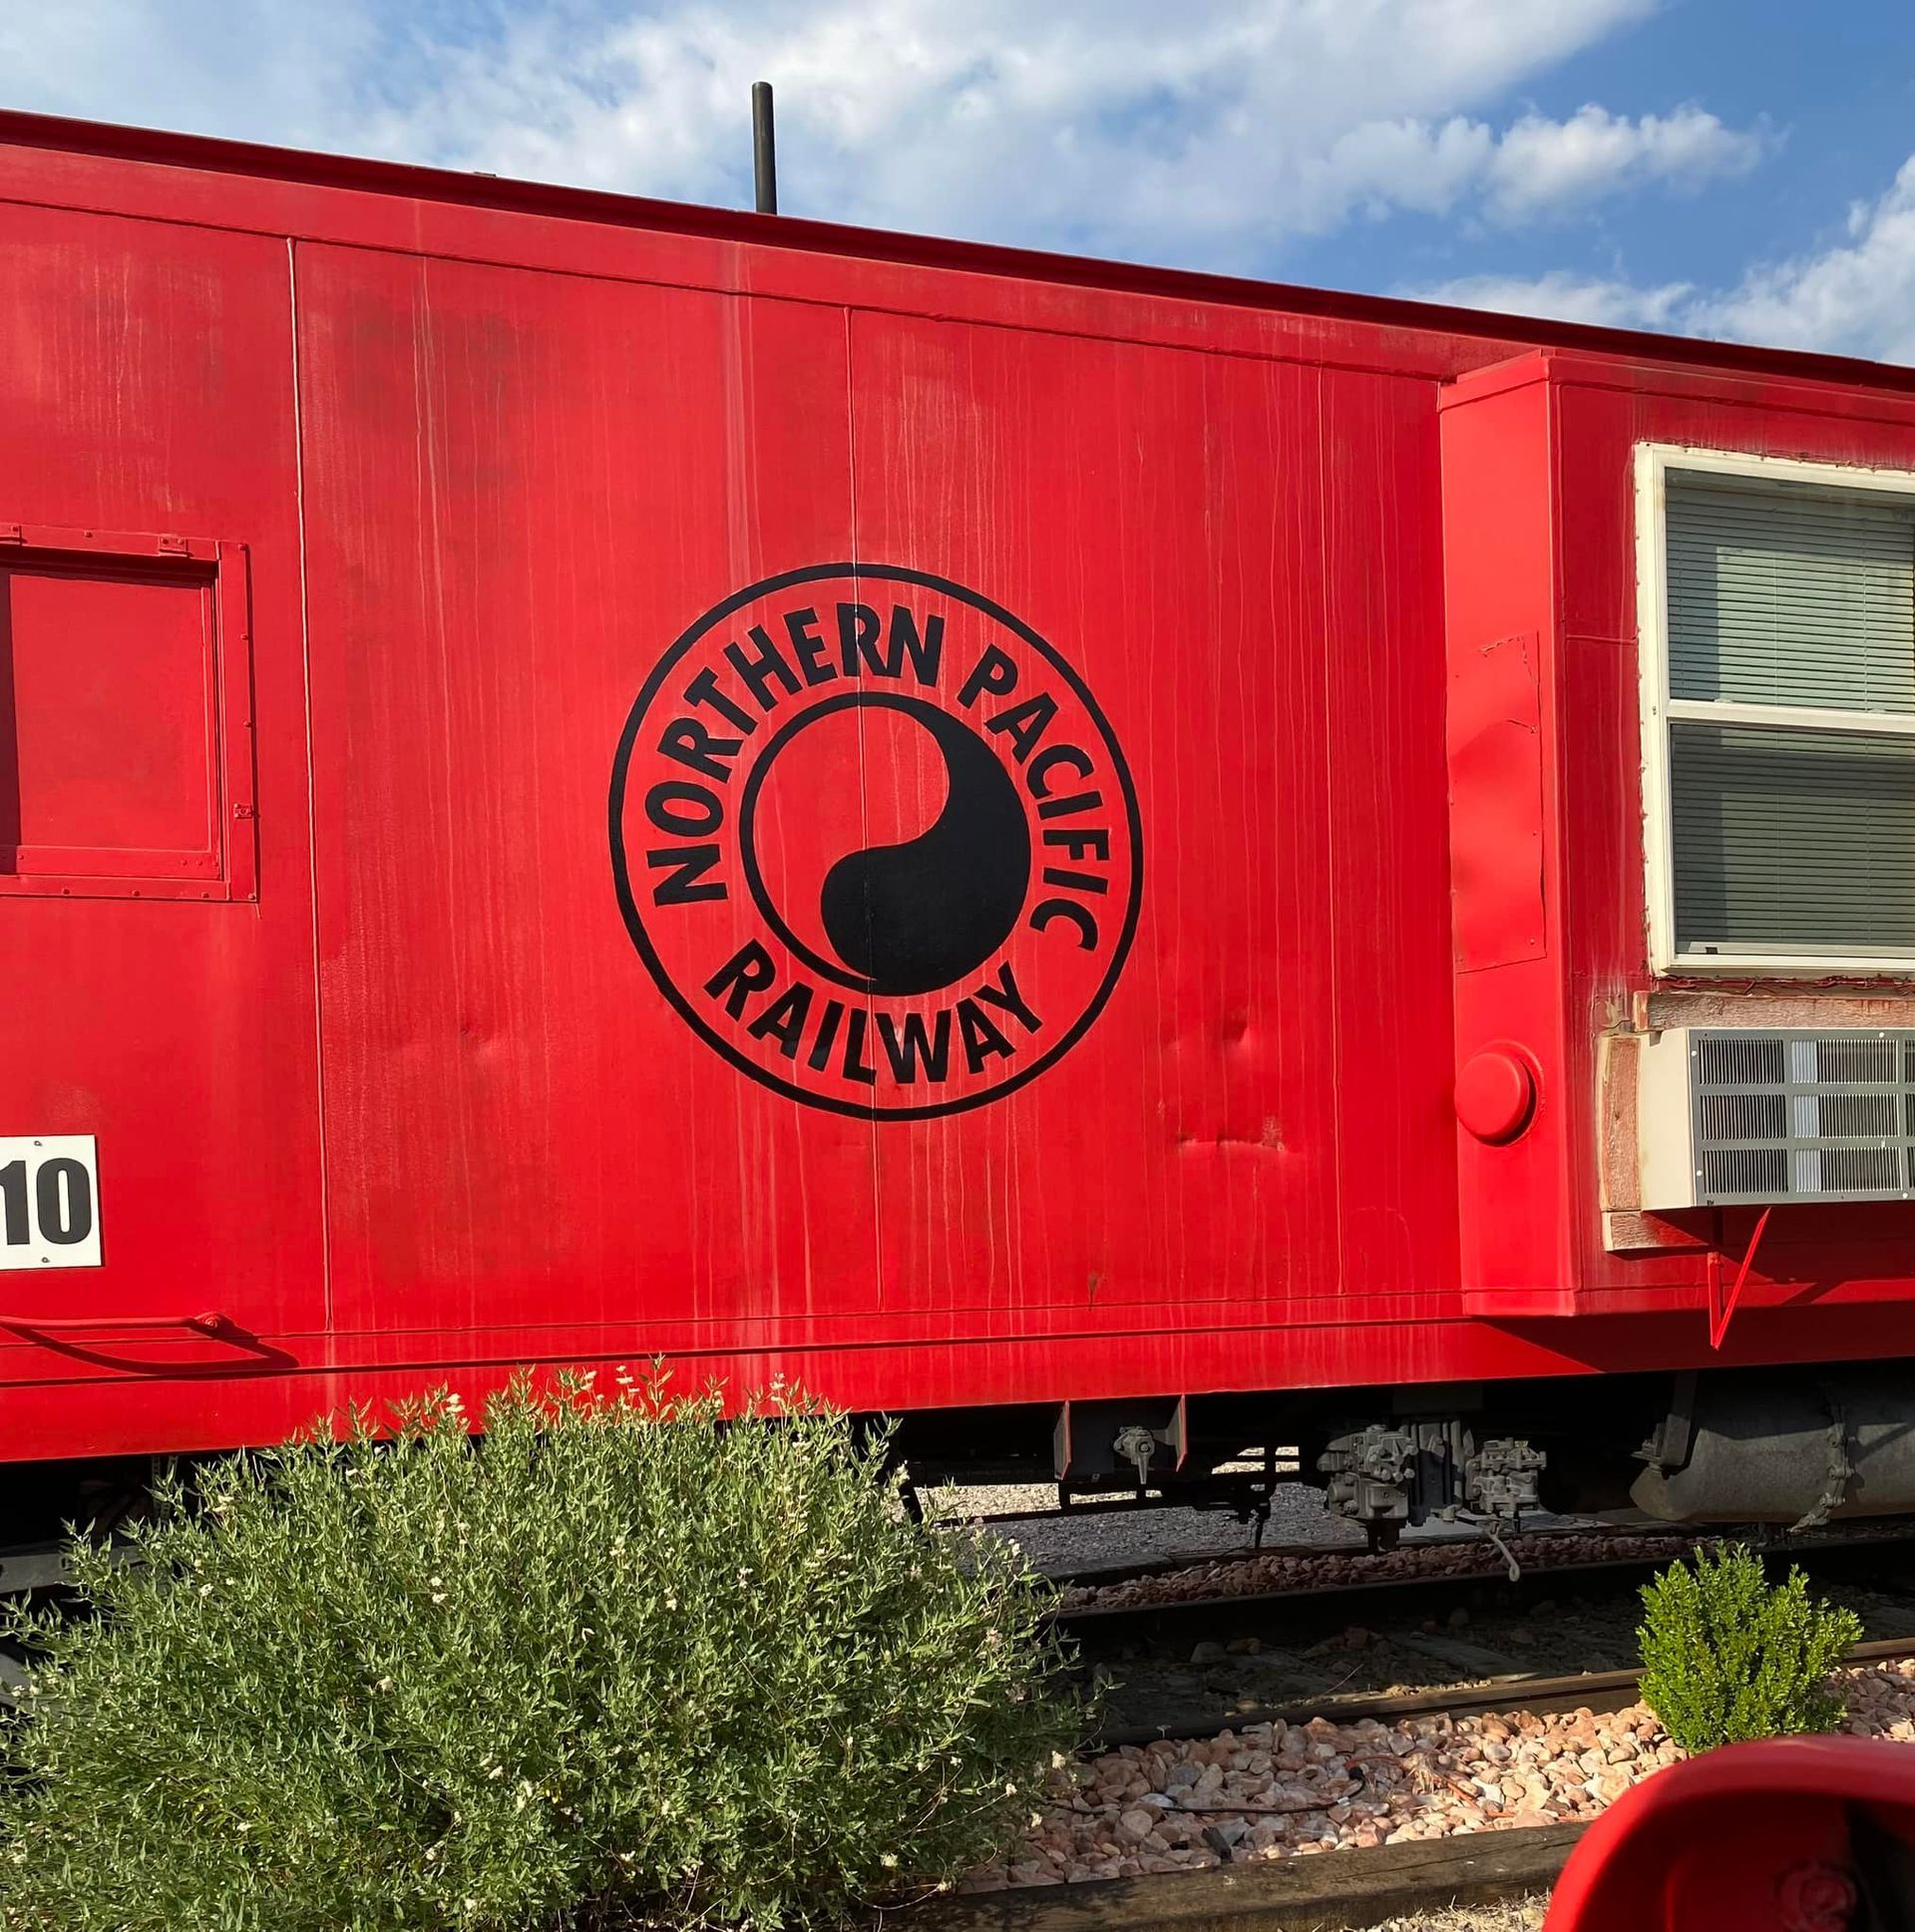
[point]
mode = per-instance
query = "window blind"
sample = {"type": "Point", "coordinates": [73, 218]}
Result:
{"type": "Point", "coordinates": [1780, 599]}
{"type": "Point", "coordinates": [1791, 838]}
{"type": "Point", "coordinates": [1793, 841]}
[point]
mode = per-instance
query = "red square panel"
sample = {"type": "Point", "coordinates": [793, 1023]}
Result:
{"type": "Point", "coordinates": [125, 766]}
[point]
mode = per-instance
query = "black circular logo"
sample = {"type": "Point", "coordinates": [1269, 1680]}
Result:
{"type": "Point", "coordinates": [875, 841]}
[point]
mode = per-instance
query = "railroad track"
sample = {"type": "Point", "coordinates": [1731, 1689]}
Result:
{"type": "Point", "coordinates": [1190, 1668]}
{"type": "Point", "coordinates": [1533, 1693]}
{"type": "Point", "coordinates": [1357, 1886]}
{"type": "Point", "coordinates": [1345, 1887]}
{"type": "Point", "coordinates": [1093, 1575]}
{"type": "Point", "coordinates": [1100, 1628]}
{"type": "Point", "coordinates": [1275, 1895]}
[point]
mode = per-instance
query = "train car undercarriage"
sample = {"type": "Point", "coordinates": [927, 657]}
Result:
{"type": "Point", "coordinates": [1789, 1448]}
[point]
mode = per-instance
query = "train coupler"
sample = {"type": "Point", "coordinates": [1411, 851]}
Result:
{"type": "Point", "coordinates": [1387, 1475]}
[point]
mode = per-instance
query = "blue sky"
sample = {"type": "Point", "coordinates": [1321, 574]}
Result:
{"type": "Point", "coordinates": [1736, 168]}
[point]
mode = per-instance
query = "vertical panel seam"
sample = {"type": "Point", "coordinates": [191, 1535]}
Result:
{"type": "Point", "coordinates": [312, 829]}
{"type": "Point", "coordinates": [1333, 845]}
{"type": "Point", "coordinates": [851, 487]}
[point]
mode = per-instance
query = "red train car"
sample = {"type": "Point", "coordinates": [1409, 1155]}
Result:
{"type": "Point", "coordinates": [1124, 865]}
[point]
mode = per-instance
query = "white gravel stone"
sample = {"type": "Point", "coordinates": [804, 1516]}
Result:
{"type": "Point", "coordinates": [1301, 1789]}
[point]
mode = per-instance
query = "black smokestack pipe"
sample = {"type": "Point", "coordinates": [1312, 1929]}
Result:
{"type": "Point", "coordinates": [764, 149]}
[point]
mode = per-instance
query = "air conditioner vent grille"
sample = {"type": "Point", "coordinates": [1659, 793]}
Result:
{"type": "Point", "coordinates": [1745, 1116]}
{"type": "Point", "coordinates": [1801, 1116]}
{"type": "Point", "coordinates": [1745, 1173]}
{"type": "Point", "coordinates": [1737, 1059]}
{"type": "Point", "coordinates": [1845, 1116]}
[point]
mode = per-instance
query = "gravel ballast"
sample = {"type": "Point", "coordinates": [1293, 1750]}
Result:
{"type": "Point", "coordinates": [1287, 1570]}
{"type": "Point", "coordinates": [1281, 1790]}
{"type": "Point", "coordinates": [1060, 1541]}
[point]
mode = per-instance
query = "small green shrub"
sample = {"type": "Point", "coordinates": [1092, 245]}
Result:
{"type": "Point", "coordinates": [1728, 1656]}
{"type": "Point", "coordinates": [619, 1662]}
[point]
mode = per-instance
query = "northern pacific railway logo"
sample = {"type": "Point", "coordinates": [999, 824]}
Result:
{"type": "Point", "coordinates": [875, 841]}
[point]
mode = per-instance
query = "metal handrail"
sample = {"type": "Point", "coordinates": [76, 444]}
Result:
{"type": "Point", "coordinates": [210, 1323]}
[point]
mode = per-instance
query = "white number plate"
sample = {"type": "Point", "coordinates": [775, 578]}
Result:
{"type": "Point", "coordinates": [49, 1201]}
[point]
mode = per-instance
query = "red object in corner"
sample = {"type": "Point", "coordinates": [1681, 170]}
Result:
{"type": "Point", "coordinates": [1801, 1835]}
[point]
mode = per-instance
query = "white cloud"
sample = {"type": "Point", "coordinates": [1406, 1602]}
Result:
{"type": "Point", "coordinates": [1543, 165]}
{"type": "Point", "coordinates": [1204, 131]}
{"type": "Point", "coordinates": [274, 69]}
{"type": "Point", "coordinates": [1855, 296]}
{"type": "Point", "coordinates": [1568, 297]}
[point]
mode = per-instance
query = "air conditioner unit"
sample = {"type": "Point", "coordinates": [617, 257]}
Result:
{"type": "Point", "coordinates": [1727, 1115]}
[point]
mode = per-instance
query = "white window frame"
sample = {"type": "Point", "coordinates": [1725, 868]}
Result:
{"type": "Point", "coordinates": [1654, 462]}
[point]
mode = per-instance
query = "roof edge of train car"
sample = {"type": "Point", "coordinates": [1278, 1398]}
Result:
{"type": "Point", "coordinates": [1504, 334]}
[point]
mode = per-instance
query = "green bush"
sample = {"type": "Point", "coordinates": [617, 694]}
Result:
{"type": "Point", "coordinates": [619, 1662]}
{"type": "Point", "coordinates": [1728, 1656]}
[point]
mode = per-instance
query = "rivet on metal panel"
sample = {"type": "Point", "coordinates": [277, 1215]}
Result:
{"type": "Point", "coordinates": [12, 533]}
{"type": "Point", "coordinates": [173, 546]}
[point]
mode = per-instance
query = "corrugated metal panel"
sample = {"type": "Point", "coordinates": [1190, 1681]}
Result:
{"type": "Point", "coordinates": [1793, 841]}
{"type": "Point", "coordinates": [1787, 598]}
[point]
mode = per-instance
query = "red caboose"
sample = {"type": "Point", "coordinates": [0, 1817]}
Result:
{"type": "Point", "coordinates": [1120, 864]}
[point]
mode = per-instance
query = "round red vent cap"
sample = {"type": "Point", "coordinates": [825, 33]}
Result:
{"type": "Point", "coordinates": [1496, 1093]}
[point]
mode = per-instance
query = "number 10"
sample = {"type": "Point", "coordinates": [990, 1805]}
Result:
{"type": "Point", "coordinates": [62, 1194]}
{"type": "Point", "coordinates": [49, 1201]}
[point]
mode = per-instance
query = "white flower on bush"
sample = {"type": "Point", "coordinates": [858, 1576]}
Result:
{"type": "Point", "coordinates": [613, 1515]}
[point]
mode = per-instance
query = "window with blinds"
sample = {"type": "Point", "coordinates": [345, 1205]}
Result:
{"type": "Point", "coordinates": [1782, 720]}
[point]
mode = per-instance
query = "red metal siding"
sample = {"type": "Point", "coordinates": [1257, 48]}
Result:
{"type": "Point", "coordinates": [520, 488]}
{"type": "Point", "coordinates": [424, 1110]}
{"type": "Point", "coordinates": [145, 386]}
{"type": "Point", "coordinates": [1249, 622]}
{"type": "Point", "coordinates": [500, 548]}
{"type": "Point", "coordinates": [1539, 489]}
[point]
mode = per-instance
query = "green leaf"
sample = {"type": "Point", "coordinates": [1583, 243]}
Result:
{"type": "Point", "coordinates": [620, 1657]}
{"type": "Point", "coordinates": [1728, 1656]}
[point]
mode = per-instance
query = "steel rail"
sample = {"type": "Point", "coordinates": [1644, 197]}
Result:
{"type": "Point", "coordinates": [1594, 1691]}
{"type": "Point", "coordinates": [1099, 1627]}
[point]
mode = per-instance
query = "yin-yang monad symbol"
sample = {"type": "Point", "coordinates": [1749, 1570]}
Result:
{"type": "Point", "coordinates": [875, 841]}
